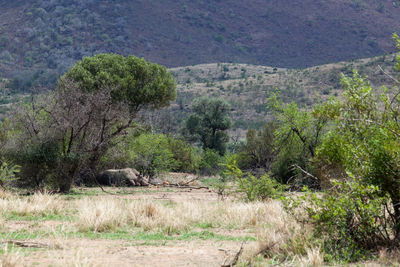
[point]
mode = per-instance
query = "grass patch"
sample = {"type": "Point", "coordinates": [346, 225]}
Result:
{"type": "Point", "coordinates": [210, 181]}
{"type": "Point", "coordinates": [24, 235]}
{"type": "Point", "coordinates": [204, 225]}
{"type": "Point", "coordinates": [160, 236]}
{"type": "Point", "coordinates": [125, 235]}
{"type": "Point", "coordinates": [16, 216]}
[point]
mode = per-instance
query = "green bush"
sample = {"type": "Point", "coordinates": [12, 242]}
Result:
{"type": "Point", "coordinates": [210, 162]}
{"type": "Point", "coordinates": [43, 165]}
{"type": "Point", "coordinates": [259, 150]}
{"type": "Point", "coordinates": [187, 159]}
{"type": "Point", "coordinates": [8, 173]}
{"type": "Point", "coordinates": [351, 220]}
{"type": "Point", "coordinates": [151, 154]}
{"type": "Point", "coordinates": [255, 188]}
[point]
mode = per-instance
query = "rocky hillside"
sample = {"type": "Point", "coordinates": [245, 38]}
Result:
{"type": "Point", "coordinates": [39, 39]}
{"type": "Point", "coordinates": [247, 88]}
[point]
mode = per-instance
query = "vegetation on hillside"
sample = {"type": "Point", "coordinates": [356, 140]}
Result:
{"type": "Point", "coordinates": [40, 40]}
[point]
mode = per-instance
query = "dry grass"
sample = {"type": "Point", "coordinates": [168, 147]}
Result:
{"type": "Point", "coordinates": [5, 194]}
{"type": "Point", "coordinates": [9, 259]}
{"type": "Point", "coordinates": [39, 203]}
{"type": "Point", "coordinates": [105, 214]}
{"type": "Point", "coordinates": [101, 214]}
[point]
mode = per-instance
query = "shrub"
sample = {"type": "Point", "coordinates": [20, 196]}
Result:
{"type": "Point", "coordinates": [7, 173]}
{"type": "Point", "coordinates": [210, 162]}
{"type": "Point", "coordinates": [42, 164]}
{"type": "Point", "coordinates": [254, 188]}
{"type": "Point", "coordinates": [351, 221]}
{"type": "Point", "coordinates": [150, 154]}
{"type": "Point", "coordinates": [187, 160]}
{"type": "Point", "coordinates": [259, 150]}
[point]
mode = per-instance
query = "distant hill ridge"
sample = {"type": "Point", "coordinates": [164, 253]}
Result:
{"type": "Point", "coordinates": [52, 35]}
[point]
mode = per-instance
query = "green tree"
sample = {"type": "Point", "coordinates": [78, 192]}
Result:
{"type": "Point", "coordinates": [364, 141]}
{"type": "Point", "coordinates": [209, 123]}
{"type": "Point", "coordinates": [95, 102]}
{"type": "Point", "coordinates": [259, 150]}
{"type": "Point", "coordinates": [298, 134]}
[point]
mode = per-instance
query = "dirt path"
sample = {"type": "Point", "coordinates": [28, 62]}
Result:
{"type": "Point", "coordinates": [117, 253]}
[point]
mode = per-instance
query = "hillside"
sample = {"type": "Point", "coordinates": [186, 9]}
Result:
{"type": "Point", "coordinates": [247, 87]}
{"type": "Point", "coordinates": [41, 39]}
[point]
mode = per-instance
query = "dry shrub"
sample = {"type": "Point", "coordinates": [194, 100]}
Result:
{"type": "Point", "coordinates": [280, 236]}
{"type": "Point", "coordinates": [38, 204]}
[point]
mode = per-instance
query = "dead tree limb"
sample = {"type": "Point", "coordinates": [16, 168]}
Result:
{"type": "Point", "coordinates": [295, 166]}
{"type": "Point", "coordinates": [235, 259]}
{"type": "Point", "coordinates": [28, 244]}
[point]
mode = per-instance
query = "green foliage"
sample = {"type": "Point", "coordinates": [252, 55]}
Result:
{"type": "Point", "coordinates": [8, 172]}
{"type": "Point", "coordinates": [252, 187]}
{"type": "Point", "coordinates": [297, 136]}
{"type": "Point", "coordinates": [186, 157]}
{"type": "Point", "coordinates": [43, 165]}
{"type": "Point", "coordinates": [151, 154]}
{"type": "Point", "coordinates": [351, 220]}
{"type": "Point", "coordinates": [366, 129]}
{"type": "Point", "coordinates": [209, 122]}
{"type": "Point", "coordinates": [135, 81]}
{"type": "Point", "coordinates": [259, 149]}
{"type": "Point", "coordinates": [361, 214]}
{"type": "Point", "coordinates": [210, 162]}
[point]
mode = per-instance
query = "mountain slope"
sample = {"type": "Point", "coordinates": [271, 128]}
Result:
{"type": "Point", "coordinates": [247, 88]}
{"type": "Point", "coordinates": [53, 34]}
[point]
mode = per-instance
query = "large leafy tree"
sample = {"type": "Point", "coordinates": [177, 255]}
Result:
{"type": "Point", "coordinates": [209, 123]}
{"type": "Point", "coordinates": [95, 102]}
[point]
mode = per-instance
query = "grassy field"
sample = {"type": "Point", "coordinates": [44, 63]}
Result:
{"type": "Point", "coordinates": [137, 227]}
{"type": "Point", "coordinates": [149, 226]}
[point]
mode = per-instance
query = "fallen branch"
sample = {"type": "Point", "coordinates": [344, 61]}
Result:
{"type": "Point", "coordinates": [304, 171]}
{"type": "Point", "coordinates": [190, 181]}
{"type": "Point", "coordinates": [235, 259]}
{"type": "Point", "coordinates": [186, 186]}
{"type": "Point", "coordinates": [28, 244]}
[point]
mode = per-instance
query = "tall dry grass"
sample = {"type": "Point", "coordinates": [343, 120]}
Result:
{"type": "Point", "coordinates": [8, 259]}
{"type": "Point", "coordinates": [106, 213]}
{"type": "Point", "coordinates": [39, 203]}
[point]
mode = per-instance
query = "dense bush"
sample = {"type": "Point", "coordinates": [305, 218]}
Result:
{"type": "Point", "coordinates": [351, 221]}
{"type": "Point", "coordinates": [152, 153]}
{"type": "Point", "coordinates": [186, 156]}
{"type": "Point", "coordinates": [254, 188]}
{"type": "Point", "coordinates": [43, 165]}
{"type": "Point", "coordinates": [210, 162]}
{"type": "Point", "coordinates": [7, 173]}
{"type": "Point", "coordinates": [259, 150]}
